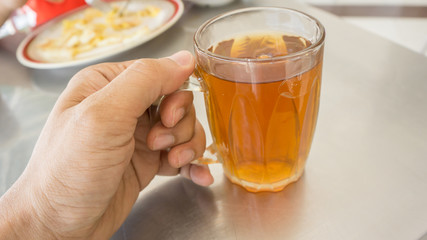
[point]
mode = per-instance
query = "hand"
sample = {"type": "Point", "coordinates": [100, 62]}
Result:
{"type": "Point", "coordinates": [98, 149]}
{"type": "Point", "coordinates": [14, 4]}
{"type": "Point", "coordinates": [8, 6]}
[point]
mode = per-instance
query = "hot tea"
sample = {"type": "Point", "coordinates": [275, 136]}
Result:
{"type": "Point", "coordinates": [262, 122]}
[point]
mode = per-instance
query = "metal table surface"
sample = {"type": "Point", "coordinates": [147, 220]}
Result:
{"type": "Point", "coordinates": [366, 177]}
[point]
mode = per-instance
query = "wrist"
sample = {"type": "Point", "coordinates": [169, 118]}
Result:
{"type": "Point", "coordinates": [18, 219]}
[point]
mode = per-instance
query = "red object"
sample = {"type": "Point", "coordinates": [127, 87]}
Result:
{"type": "Point", "coordinates": [47, 10]}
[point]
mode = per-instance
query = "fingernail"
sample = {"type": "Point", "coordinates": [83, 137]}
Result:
{"type": "Point", "coordinates": [163, 141]}
{"type": "Point", "coordinates": [182, 58]}
{"type": "Point", "coordinates": [178, 115]}
{"type": "Point", "coordinates": [185, 156]}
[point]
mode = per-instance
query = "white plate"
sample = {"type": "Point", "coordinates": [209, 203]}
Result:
{"type": "Point", "coordinates": [171, 11]}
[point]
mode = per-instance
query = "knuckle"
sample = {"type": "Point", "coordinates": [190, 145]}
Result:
{"type": "Point", "coordinates": [96, 123]}
{"type": "Point", "coordinates": [148, 67]}
{"type": "Point", "coordinates": [91, 71]}
{"type": "Point", "coordinates": [90, 115]}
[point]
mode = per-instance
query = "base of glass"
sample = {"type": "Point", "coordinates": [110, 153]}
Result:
{"type": "Point", "coordinates": [264, 187]}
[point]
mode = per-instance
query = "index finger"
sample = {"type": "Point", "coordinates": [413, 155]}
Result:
{"type": "Point", "coordinates": [134, 85]}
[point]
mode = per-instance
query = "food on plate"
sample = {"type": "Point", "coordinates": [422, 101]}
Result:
{"type": "Point", "coordinates": [92, 30]}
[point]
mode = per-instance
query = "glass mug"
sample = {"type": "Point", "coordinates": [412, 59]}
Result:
{"type": "Point", "coordinates": [260, 71]}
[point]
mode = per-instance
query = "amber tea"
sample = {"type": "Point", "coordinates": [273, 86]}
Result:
{"type": "Point", "coordinates": [262, 124]}
{"type": "Point", "coordinates": [260, 71]}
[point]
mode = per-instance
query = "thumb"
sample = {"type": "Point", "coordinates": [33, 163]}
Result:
{"type": "Point", "coordinates": [144, 81]}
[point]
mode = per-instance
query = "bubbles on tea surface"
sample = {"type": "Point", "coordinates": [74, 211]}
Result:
{"type": "Point", "coordinates": [263, 56]}
{"type": "Point", "coordinates": [260, 46]}
{"type": "Point", "coordinates": [295, 43]}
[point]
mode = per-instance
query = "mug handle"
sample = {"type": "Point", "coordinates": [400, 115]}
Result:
{"type": "Point", "coordinates": [193, 84]}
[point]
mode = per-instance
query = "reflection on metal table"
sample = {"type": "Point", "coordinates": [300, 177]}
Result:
{"type": "Point", "coordinates": [366, 177]}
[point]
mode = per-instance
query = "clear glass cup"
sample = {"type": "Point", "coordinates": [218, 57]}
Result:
{"type": "Point", "coordinates": [262, 107]}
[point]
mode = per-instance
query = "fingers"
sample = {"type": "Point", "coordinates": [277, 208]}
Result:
{"type": "Point", "coordinates": [177, 112]}
{"type": "Point", "coordinates": [186, 152]}
{"type": "Point", "coordinates": [180, 156]}
{"type": "Point", "coordinates": [145, 80]}
{"type": "Point", "coordinates": [130, 86]}
{"type": "Point", "coordinates": [186, 140]}
{"type": "Point", "coordinates": [90, 80]}
{"type": "Point", "coordinates": [174, 107]}
{"type": "Point", "coordinates": [199, 174]}
{"type": "Point", "coordinates": [180, 130]}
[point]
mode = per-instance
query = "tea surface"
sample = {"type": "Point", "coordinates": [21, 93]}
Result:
{"type": "Point", "coordinates": [260, 46]}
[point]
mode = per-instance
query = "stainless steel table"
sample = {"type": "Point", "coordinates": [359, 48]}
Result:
{"type": "Point", "coordinates": [366, 177]}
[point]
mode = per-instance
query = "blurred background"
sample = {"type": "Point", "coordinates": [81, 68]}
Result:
{"type": "Point", "coordinates": [401, 21]}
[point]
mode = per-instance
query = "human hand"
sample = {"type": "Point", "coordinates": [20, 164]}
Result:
{"type": "Point", "coordinates": [8, 6]}
{"type": "Point", "coordinates": [98, 150]}
{"type": "Point", "coordinates": [14, 4]}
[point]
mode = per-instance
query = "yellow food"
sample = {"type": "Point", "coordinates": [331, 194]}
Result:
{"type": "Point", "coordinates": [95, 28]}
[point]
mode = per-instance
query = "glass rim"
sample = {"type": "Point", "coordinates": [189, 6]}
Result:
{"type": "Point", "coordinates": [318, 43]}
